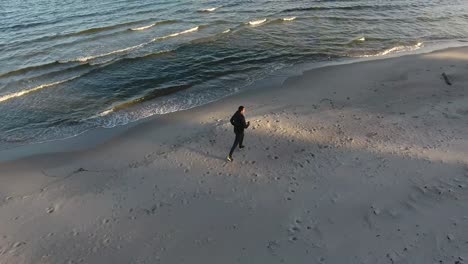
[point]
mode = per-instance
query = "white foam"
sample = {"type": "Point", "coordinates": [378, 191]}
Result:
{"type": "Point", "coordinates": [396, 49]}
{"type": "Point", "coordinates": [257, 22]}
{"type": "Point", "coordinates": [178, 33]}
{"type": "Point", "coordinates": [227, 31]}
{"type": "Point", "coordinates": [361, 39]}
{"type": "Point", "coordinates": [85, 59]}
{"type": "Point", "coordinates": [28, 91]}
{"type": "Point", "coordinates": [104, 113]}
{"type": "Point", "coordinates": [212, 9]}
{"type": "Point", "coordinates": [144, 27]}
{"type": "Point", "coordinates": [289, 18]}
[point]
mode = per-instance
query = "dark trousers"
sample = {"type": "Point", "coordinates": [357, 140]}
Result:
{"type": "Point", "coordinates": [237, 142]}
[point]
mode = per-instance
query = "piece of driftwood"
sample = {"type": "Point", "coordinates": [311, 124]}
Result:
{"type": "Point", "coordinates": [447, 81]}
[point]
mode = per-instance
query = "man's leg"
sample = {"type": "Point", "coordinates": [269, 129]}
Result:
{"type": "Point", "coordinates": [241, 139]}
{"type": "Point", "coordinates": [236, 142]}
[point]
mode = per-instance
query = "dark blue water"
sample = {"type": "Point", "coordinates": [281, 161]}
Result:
{"type": "Point", "coordinates": [70, 66]}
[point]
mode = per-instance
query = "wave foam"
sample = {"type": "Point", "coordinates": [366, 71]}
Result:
{"type": "Point", "coordinates": [104, 113]}
{"type": "Point", "coordinates": [289, 18]}
{"type": "Point", "coordinates": [85, 59]}
{"type": "Point", "coordinates": [37, 88]}
{"type": "Point", "coordinates": [396, 49]}
{"type": "Point", "coordinates": [178, 33]}
{"type": "Point", "coordinates": [257, 22]}
{"type": "Point", "coordinates": [212, 9]}
{"type": "Point", "coordinates": [152, 25]}
{"type": "Point", "coordinates": [143, 27]}
{"type": "Point", "coordinates": [227, 31]}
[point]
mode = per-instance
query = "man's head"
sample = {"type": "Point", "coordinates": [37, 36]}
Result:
{"type": "Point", "coordinates": [241, 109]}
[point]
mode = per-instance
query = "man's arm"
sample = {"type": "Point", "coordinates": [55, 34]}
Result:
{"type": "Point", "coordinates": [245, 124]}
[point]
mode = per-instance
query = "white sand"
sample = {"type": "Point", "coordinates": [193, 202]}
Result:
{"type": "Point", "coordinates": [359, 163]}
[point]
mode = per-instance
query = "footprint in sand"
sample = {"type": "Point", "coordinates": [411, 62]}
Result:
{"type": "Point", "coordinates": [293, 239]}
{"type": "Point", "coordinates": [19, 244]}
{"type": "Point", "coordinates": [375, 210]}
{"type": "Point", "coordinates": [294, 229]}
{"type": "Point", "coordinates": [50, 210]}
{"type": "Point", "coordinates": [106, 241]}
{"type": "Point", "coordinates": [75, 232]}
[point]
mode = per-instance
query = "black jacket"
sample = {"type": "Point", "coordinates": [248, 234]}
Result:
{"type": "Point", "coordinates": [238, 121]}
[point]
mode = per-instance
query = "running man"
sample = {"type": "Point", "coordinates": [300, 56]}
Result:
{"type": "Point", "coordinates": [238, 121]}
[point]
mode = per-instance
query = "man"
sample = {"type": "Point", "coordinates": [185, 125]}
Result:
{"type": "Point", "coordinates": [238, 121]}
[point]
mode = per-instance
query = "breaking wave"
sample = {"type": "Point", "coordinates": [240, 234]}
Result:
{"type": "Point", "coordinates": [177, 34]}
{"type": "Point", "coordinates": [396, 49]}
{"type": "Point", "coordinates": [289, 18]}
{"type": "Point", "coordinates": [35, 89]}
{"type": "Point", "coordinates": [152, 25]}
{"type": "Point", "coordinates": [125, 50]}
{"type": "Point", "coordinates": [207, 10]}
{"type": "Point", "coordinates": [257, 22]}
{"type": "Point", "coordinates": [352, 7]}
{"type": "Point", "coordinates": [85, 59]}
{"type": "Point", "coordinates": [149, 96]}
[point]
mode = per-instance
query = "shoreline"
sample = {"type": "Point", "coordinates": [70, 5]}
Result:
{"type": "Point", "coordinates": [100, 135]}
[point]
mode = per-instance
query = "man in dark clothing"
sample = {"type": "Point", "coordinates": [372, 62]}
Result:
{"type": "Point", "coordinates": [238, 121]}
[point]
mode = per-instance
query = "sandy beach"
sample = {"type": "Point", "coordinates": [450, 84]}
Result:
{"type": "Point", "coordinates": [357, 163]}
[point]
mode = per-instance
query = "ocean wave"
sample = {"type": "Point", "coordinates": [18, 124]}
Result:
{"type": "Point", "coordinates": [126, 60]}
{"type": "Point", "coordinates": [194, 29]}
{"type": "Point", "coordinates": [143, 27]}
{"type": "Point", "coordinates": [28, 69]}
{"type": "Point", "coordinates": [289, 18]}
{"type": "Point", "coordinates": [149, 96]}
{"type": "Point", "coordinates": [35, 89]}
{"type": "Point", "coordinates": [89, 31]}
{"type": "Point", "coordinates": [152, 25]}
{"type": "Point", "coordinates": [266, 21]}
{"type": "Point", "coordinates": [81, 16]}
{"type": "Point", "coordinates": [151, 55]}
{"type": "Point", "coordinates": [124, 50]}
{"type": "Point", "coordinates": [92, 57]}
{"type": "Point", "coordinates": [211, 38]}
{"type": "Point", "coordinates": [85, 59]}
{"type": "Point", "coordinates": [396, 49]}
{"type": "Point", "coordinates": [353, 42]}
{"type": "Point", "coordinates": [104, 113]}
{"type": "Point", "coordinates": [353, 7]}
{"type": "Point", "coordinates": [207, 10]}
{"type": "Point", "coordinates": [50, 74]}
{"type": "Point", "coordinates": [257, 22]}
{"type": "Point", "coordinates": [96, 30]}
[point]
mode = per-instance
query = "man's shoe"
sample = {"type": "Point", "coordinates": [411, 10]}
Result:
{"type": "Point", "coordinates": [242, 146]}
{"type": "Point", "coordinates": [229, 158]}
